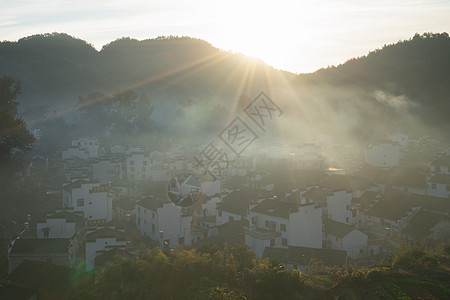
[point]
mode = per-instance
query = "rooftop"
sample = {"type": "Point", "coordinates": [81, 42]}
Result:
{"type": "Point", "coordinates": [337, 228]}
{"type": "Point", "coordinates": [41, 246]}
{"type": "Point", "coordinates": [276, 208]}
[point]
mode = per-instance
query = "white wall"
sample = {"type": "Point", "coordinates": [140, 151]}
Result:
{"type": "Point", "coordinates": [339, 206]}
{"type": "Point", "coordinates": [93, 249]}
{"type": "Point", "coordinates": [57, 228]}
{"type": "Point", "coordinates": [382, 155]}
{"type": "Point", "coordinates": [438, 190]}
{"type": "Point", "coordinates": [305, 227]}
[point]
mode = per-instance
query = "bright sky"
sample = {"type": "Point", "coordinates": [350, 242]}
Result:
{"type": "Point", "coordinates": [298, 36]}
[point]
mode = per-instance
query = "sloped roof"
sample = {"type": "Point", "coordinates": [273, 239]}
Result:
{"type": "Point", "coordinates": [337, 228]}
{"type": "Point", "coordinates": [366, 199]}
{"type": "Point", "coordinates": [41, 246]}
{"type": "Point", "coordinates": [347, 182]}
{"type": "Point", "coordinates": [151, 203]}
{"type": "Point", "coordinates": [420, 225]}
{"type": "Point", "coordinates": [102, 259]}
{"type": "Point", "coordinates": [236, 202]}
{"type": "Point", "coordinates": [68, 216]}
{"type": "Point", "coordinates": [412, 177]}
{"type": "Point", "coordinates": [316, 194]}
{"type": "Point", "coordinates": [276, 208]}
{"type": "Point", "coordinates": [440, 178]}
{"type": "Point", "coordinates": [105, 232]}
{"type": "Point", "coordinates": [13, 292]}
{"type": "Point", "coordinates": [395, 205]}
{"type": "Point", "coordinates": [443, 160]}
{"type": "Point", "coordinates": [40, 275]}
{"type": "Point", "coordinates": [303, 255]}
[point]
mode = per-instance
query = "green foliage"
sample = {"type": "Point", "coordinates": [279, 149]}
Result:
{"type": "Point", "coordinates": [13, 130]}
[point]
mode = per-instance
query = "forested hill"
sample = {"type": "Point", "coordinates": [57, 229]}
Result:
{"type": "Point", "coordinates": [417, 70]}
{"type": "Point", "coordinates": [404, 86]}
{"type": "Point", "coordinates": [54, 67]}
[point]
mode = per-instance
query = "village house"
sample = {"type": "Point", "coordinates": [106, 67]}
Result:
{"type": "Point", "coordinates": [440, 165]}
{"type": "Point", "coordinates": [107, 170]}
{"type": "Point", "coordinates": [342, 236]}
{"type": "Point", "coordinates": [102, 240]}
{"type": "Point", "coordinates": [385, 154]}
{"type": "Point", "coordinates": [58, 251]}
{"type": "Point", "coordinates": [275, 223]}
{"type": "Point", "coordinates": [163, 222]}
{"type": "Point", "coordinates": [439, 185]}
{"type": "Point", "coordinates": [91, 198]}
{"type": "Point", "coordinates": [60, 224]}
{"type": "Point", "coordinates": [426, 226]}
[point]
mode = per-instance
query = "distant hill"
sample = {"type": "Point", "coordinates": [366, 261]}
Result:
{"type": "Point", "coordinates": [56, 67]}
{"type": "Point", "coordinates": [401, 87]}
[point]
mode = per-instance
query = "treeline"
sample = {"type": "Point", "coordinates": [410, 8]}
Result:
{"type": "Point", "coordinates": [234, 272]}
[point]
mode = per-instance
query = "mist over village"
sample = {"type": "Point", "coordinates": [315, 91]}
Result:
{"type": "Point", "coordinates": [169, 168]}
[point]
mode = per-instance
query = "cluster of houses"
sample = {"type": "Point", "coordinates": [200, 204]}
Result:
{"type": "Point", "coordinates": [285, 203]}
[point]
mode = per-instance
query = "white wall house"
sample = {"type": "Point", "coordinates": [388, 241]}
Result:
{"type": "Point", "coordinates": [91, 198]}
{"type": "Point", "coordinates": [309, 156]}
{"type": "Point", "coordinates": [439, 185]}
{"type": "Point", "coordinates": [341, 236]}
{"type": "Point", "coordinates": [337, 204]}
{"type": "Point", "coordinates": [280, 224]}
{"type": "Point", "coordinates": [384, 155]}
{"type": "Point", "coordinates": [91, 145]}
{"type": "Point", "coordinates": [233, 207]}
{"type": "Point", "coordinates": [163, 222]}
{"type": "Point", "coordinates": [138, 166]}
{"type": "Point", "coordinates": [440, 165]}
{"type": "Point", "coordinates": [107, 170]}
{"type": "Point", "coordinates": [61, 224]}
{"type": "Point", "coordinates": [101, 241]}
{"type": "Point", "coordinates": [75, 152]}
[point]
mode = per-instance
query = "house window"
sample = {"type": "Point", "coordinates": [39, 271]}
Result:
{"type": "Point", "coordinates": [139, 221]}
{"type": "Point", "coordinates": [139, 210]}
{"type": "Point", "coordinates": [153, 215]}
{"type": "Point", "coordinates": [145, 221]}
{"type": "Point", "coordinates": [131, 162]}
{"type": "Point", "coordinates": [282, 227]}
{"type": "Point", "coordinates": [219, 213]}
{"type": "Point", "coordinates": [230, 218]}
{"type": "Point", "coordinates": [284, 242]}
{"type": "Point", "coordinates": [448, 187]}
{"type": "Point", "coordinates": [354, 213]}
{"type": "Point", "coordinates": [272, 243]}
{"type": "Point", "coordinates": [46, 234]}
{"type": "Point", "coordinates": [80, 202]}
{"type": "Point", "coordinates": [346, 219]}
{"type": "Point", "coordinates": [433, 186]}
{"type": "Point", "coordinates": [145, 211]}
{"type": "Point", "coordinates": [254, 220]}
{"type": "Point", "coordinates": [266, 223]}
{"type": "Point", "coordinates": [153, 228]}
{"type": "Point", "coordinates": [336, 239]}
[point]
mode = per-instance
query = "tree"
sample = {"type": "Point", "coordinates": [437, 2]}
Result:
{"type": "Point", "coordinates": [13, 130]}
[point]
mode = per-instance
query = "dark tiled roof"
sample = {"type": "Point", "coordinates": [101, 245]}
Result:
{"type": "Point", "coordinates": [347, 182]}
{"type": "Point", "coordinates": [411, 177]}
{"type": "Point", "coordinates": [395, 205]}
{"type": "Point", "coordinates": [150, 203]}
{"type": "Point", "coordinates": [431, 203]}
{"type": "Point", "coordinates": [68, 216]}
{"type": "Point", "coordinates": [367, 199]}
{"type": "Point", "coordinates": [276, 208]}
{"type": "Point", "coordinates": [443, 160]}
{"type": "Point", "coordinates": [337, 228]}
{"type": "Point", "coordinates": [40, 275]}
{"type": "Point", "coordinates": [420, 224]}
{"type": "Point", "coordinates": [303, 255]}
{"type": "Point", "coordinates": [440, 178]}
{"type": "Point", "coordinates": [12, 292]}
{"type": "Point", "coordinates": [43, 246]}
{"type": "Point", "coordinates": [237, 202]}
{"type": "Point", "coordinates": [317, 194]}
{"type": "Point", "coordinates": [74, 185]}
{"type": "Point", "coordinates": [105, 232]}
{"type": "Point", "coordinates": [103, 259]}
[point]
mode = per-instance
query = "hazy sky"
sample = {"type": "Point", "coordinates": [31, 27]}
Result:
{"type": "Point", "coordinates": [298, 36]}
